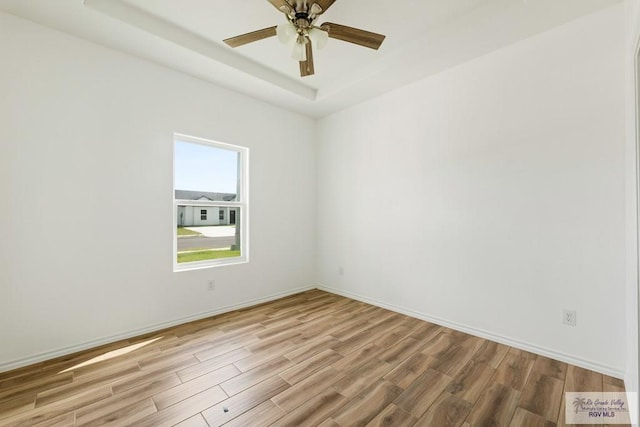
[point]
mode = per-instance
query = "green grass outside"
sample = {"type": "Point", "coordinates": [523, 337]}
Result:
{"type": "Point", "coordinates": [206, 255]}
{"type": "Point", "coordinates": [186, 232]}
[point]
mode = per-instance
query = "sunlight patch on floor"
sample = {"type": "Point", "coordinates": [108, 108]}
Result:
{"type": "Point", "coordinates": [112, 354]}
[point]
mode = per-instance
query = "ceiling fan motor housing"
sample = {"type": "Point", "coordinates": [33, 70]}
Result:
{"type": "Point", "coordinates": [302, 21]}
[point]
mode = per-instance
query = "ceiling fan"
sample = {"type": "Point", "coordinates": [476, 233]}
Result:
{"type": "Point", "coordinates": [301, 32]}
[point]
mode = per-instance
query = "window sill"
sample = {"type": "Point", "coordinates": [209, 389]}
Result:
{"type": "Point", "coordinates": [200, 265]}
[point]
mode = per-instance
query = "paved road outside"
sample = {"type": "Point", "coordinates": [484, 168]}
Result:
{"type": "Point", "coordinates": [211, 238]}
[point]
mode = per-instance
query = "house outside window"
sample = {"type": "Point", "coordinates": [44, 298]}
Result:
{"type": "Point", "coordinates": [209, 176]}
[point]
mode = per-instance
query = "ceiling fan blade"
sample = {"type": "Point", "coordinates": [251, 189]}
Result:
{"type": "Point", "coordinates": [283, 6]}
{"type": "Point", "coordinates": [251, 37]}
{"type": "Point", "coordinates": [324, 4]}
{"type": "Point", "coordinates": [306, 67]}
{"type": "Point", "coordinates": [353, 35]}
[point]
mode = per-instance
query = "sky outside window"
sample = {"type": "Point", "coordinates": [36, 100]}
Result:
{"type": "Point", "coordinates": [201, 167]}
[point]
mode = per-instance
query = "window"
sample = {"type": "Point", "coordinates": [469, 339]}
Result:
{"type": "Point", "coordinates": [209, 176]}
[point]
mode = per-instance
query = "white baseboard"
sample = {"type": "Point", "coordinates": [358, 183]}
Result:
{"type": "Point", "coordinates": [563, 357]}
{"type": "Point", "coordinates": [41, 357]}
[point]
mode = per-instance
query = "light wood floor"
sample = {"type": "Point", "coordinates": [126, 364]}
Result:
{"type": "Point", "coordinates": [309, 359]}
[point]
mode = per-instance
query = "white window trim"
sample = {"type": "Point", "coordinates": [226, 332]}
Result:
{"type": "Point", "coordinates": [242, 204]}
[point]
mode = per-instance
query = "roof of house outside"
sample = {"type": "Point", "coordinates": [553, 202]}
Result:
{"type": "Point", "coordinates": [204, 195]}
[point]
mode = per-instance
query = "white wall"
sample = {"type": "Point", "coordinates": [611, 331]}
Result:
{"type": "Point", "coordinates": [491, 196]}
{"type": "Point", "coordinates": [632, 12]}
{"type": "Point", "coordinates": [82, 125]}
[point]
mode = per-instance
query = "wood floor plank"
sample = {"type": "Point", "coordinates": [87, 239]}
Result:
{"type": "Point", "coordinates": [127, 397]}
{"type": "Point", "coordinates": [315, 410]}
{"type": "Point", "coordinates": [420, 395]}
{"type": "Point", "coordinates": [26, 378]}
{"type": "Point", "coordinates": [58, 408]}
{"type": "Point", "coordinates": [447, 410]}
{"type": "Point", "coordinates": [272, 331]}
{"type": "Point", "coordinates": [350, 328]}
{"type": "Point", "coordinates": [542, 395]}
{"type": "Point", "coordinates": [495, 407]}
{"type": "Point", "coordinates": [124, 415]}
{"type": "Point", "coordinates": [64, 420]}
{"type": "Point", "coordinates": [301, 391]}
{"type": "Point", "coordinates": [361, 410]}
{"type": "Point", "coordinates": [21, 403]}
{"type": "Point", "coordinates": [140, 378]}
{"type": "Point", "coordinates": [195, 421]}
{"type": "Point", "coordinates": [36, 386]}
{"type": "Point", "coordinates": [271, 343]}
{"type": "Point", "coordinates": [244, 401]}
{"type": "Point", "coordinates": [248, 379]}
{"type": "Point", "coordinates": [439, 344]}
{"type": "Point", "coordinates": [263, 415]}
{"type": "Point", "coordinates": [23, 371]}
{"type": "Point", "coordinates": [361, 378]}
{"type": "Point", "coordinates": [399, 352]}
{"type": "Point", "coordinates": [329, 422]}
{"type": "Point", "coordinates": [524, 418]}
{"type": "Point", "coordinates": [426, 331]}
{"type": "Point", "coordinates": [353, 343]}
{"type": "Point", "coordinates": [69, 390]}
{"type": "Point", "coordinates": [610, 388]}
{"type": "Point", "coordinates": [514, 371]}
{"type": "Point", "coordinates": [471, 381]}
{"type": "Point", "coordinates": [549, 367]}
{"type": "Point", "coordinates": [518, 352]}
{"type": "Point", "coordinates": [562, 413]}
{"type": "Point", "coordinates": [408, 371]}
{"type": "Point", "coordinates": [491, 353]}
{"type": "Point", "coordinates": [317, 313]}
{"type": "Point", "coordinates": [451, 361]}
{"type": "Point", "coordinates": [225, 347]}
{"type": "Point", "coordinates": [197, 385]}
{"type": "Point", "coordinates": [311, 348]}
{"type": "Point", "coordinates": [392, 416]}
{"type": "Point", "coordinates": [580, 379]}
{"type": "Point", "coordinates": [254, 360]}
{"type": "Point", "coordinates": [245, 320]}
{"type": "Point", "coordinates": [312, 358]}
{"type": "Point", "coordinates": [617, 382]}
{"type": "Point", "coordinates": [216, 362]}
{"type": "Point", "coordinates": [163, 363]}
{"type": "Point", "coordinates": [358, 357]}
{"type": "Point", "coordinates": [392, 336]}
{"type": "Point", "coordinates": [184, 409]}
{"type": "Point", "coordinates": [308, 367]}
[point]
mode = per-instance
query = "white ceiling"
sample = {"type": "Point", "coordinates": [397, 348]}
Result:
{"type": "Point", "coordinates": [423, 37]}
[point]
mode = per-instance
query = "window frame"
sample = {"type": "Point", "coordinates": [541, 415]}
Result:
{"type": "Point", "coordinates": [241, 205]}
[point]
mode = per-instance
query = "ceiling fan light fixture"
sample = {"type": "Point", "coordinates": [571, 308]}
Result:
{"type": "Point", "coordinates": [318, 37]}
{"type": "Point", "coordinates": [299, 52]}
{"type": "Point", "coordinates": [316, 9]}
{"type": "Point", "coordinates": [286, 32]}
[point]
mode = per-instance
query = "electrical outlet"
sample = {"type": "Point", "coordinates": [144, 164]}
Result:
{"type": "Point", "coordinates": [341, 271]}
{"type": "Point", "coordinates": [569, 317]}
{"type": "Point", "coordinates": [211, 285]}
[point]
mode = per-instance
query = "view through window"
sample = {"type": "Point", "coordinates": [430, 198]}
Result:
{"type": "Point", "coordinates": [210, 203]}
